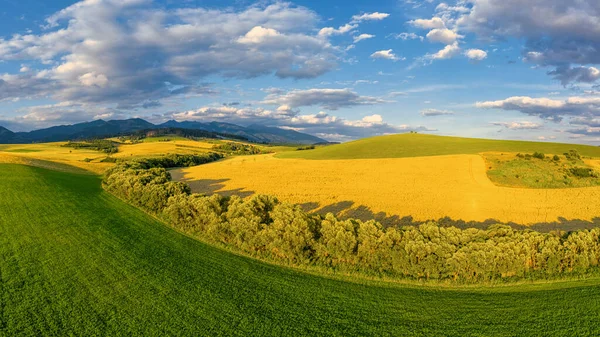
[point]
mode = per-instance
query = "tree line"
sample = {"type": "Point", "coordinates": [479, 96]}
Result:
{"type": "Point", "coordinates": [102, 145]}
{"type": "Point", "coordinates": [266, 228]}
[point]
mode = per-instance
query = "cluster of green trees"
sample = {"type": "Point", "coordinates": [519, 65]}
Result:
{"type": "Point", "coordinates": [263, 227]}
{"type": "Point", "coordinates": [304, 148]}
{"type": "Point", "coordinates": [102, 145]}
{"type": "Point", "coordinates": [238, 148]}
{"type": "Point", "coordinates": [172, 160]}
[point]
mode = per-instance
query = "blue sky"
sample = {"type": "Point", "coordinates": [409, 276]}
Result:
{"type": "Point", "coordinates": [341, 70]}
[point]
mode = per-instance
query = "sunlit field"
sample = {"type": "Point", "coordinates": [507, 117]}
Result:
{"type": "Point", "coordinates": [91, 265]}
{"type": "Point", "coordinates": [425, 188]}
{"type": "Point", "coordinates": [160, 147]}
{"type": "Point", "coordinates": [55, 153]}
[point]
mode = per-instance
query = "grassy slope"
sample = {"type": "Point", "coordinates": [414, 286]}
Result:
{"type": "Point", "coordinates": [75, 260]}
{"type": "Point", "coordinates": [509, 170]}
{"type": "Point", "coordinates": [415, 145]}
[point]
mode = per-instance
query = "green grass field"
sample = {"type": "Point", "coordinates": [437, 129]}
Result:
{"type": "Point", "coordinates": [512, 171]}
{"type": "Point", "coordinates": [76, 261]}
{"type": "Point", "coordinates": [416, 145]}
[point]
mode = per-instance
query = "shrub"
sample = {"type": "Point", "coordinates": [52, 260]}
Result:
{"type": "Point", "coordinates": [556, 158]}
{"type": "Point", "coordinates": [572, 155]}
{"type": "Point", "coordinates": [583, 172]}
{"type": "Point", "coordinates": [238, 148]}
{"type": "Point", "coordinates": [302, 148]}
{"type": "Point", "coordinates": [538, 155]}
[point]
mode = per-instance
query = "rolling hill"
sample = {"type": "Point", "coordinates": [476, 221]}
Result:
{"type": "Point", "coordinates": [417, 145]}
{"type": "Point", "coordinates": [77, 261]}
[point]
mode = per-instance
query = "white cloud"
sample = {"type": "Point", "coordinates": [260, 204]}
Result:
{"type": "Point", "coordinates": [328, 31]}
{"type": "Point", "coordinates": [385, 54]}
{"type": "Point", "coordinates": [518, 125]}
{"type": "Point", "coordinates": [566, 74]}
{"type": "Point", "coordinates": [376, 16]}
{"type": "Point", "coordinates": [363, 37]}
{"type": "Point", "coordinates": [375, 119]}
{"type": "Point", "coordinates": [552, 109]}
{"type": "Point", "coordinates": [93, 79]}
{"type": "Point", "coordinates": [435, 112]}
{"type": "Point", "coordinates": [407, 36]}
{"type": "Point", "coordinates": [448, 52]}
{"type": "Point", "coordinates": [442, 35]}
{"type": "Point", "coordinates": [433, 23]}
{"type": "Point", "coordinates": [321, 124]}
{"type": "Point", "coordinates": [331, 99]}
{"type": "Point", "coordinates": [129, 52]}
{"type": "Point", "coordinates": [557, 33]}
{"type": "Point", "coordinates": [444, 7]}
{"type": "Point", "coordinates": [476, 54]}
{"type": "Point", "coordinates": [258, 35]}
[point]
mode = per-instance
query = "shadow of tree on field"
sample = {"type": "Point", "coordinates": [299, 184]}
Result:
{"type": "Point", "coordinates": [309, 206]}
{"type": "Point", "coordinates": [214, 186]}
{"type": "Point", "coordinates": [346, 211]}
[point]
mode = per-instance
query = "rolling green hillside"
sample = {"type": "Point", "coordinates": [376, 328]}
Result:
{"type": "Point", "coordinates": [76, 261]}
{"type": "Point", "coordinates": [417, 145]}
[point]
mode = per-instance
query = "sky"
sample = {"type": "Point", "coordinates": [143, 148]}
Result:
{"type": "Point", "coordinates": [340, 70]}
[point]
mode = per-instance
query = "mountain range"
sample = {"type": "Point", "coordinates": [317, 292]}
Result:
{"type": "Point", "coordinates": [101, 129]}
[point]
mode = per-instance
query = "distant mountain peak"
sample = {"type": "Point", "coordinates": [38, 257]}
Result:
{"type": "Point", "coordinates": [3, 129]}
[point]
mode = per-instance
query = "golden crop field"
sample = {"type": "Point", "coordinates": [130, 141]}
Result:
{"type": "Point", "coordinates": [54, 152]}
{"type": "Point", "coordinates": [160, 148]}
{"type": "Point", "coordinates": [422, 187]}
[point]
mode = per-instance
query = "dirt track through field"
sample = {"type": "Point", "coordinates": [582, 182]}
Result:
{"type": "Point", "coordinates": [423, 187]}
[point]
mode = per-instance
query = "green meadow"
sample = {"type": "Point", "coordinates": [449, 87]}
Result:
{"type": "Point", "coordinates": [418, 145]}
{"type": "Point", "coordinates": [75, 260]}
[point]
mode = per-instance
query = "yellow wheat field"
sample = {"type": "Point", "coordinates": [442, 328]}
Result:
{"type": "Point", "coordinates": [424, 187]}
{"type": "Point", "coordinates": [161, 148]}
{"type": "Point", "coordinates": [54, 152]}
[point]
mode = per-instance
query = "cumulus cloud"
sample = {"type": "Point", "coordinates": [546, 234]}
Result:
{"type": "Point", "coordinates": [552, 109]}
{"type": "Point", "coordinates": [376, 16]}
{"type": "Point", "coordinates": [42, 116]}
{"type": "Point", "coordinates": [587, 121]}
{"type": "Point", "coordinates": [363, 37]}
{"type": "Point", "coordinates": [385, 54]}
{"type": "Point", "coordinates": [566, 74]}
{"type": "Point", "coordinates": [446, 53]}
{"type": "Point", "coordinates": [558, 33]}
{"type": "Point", "coordinates": [234, 114]}
{"type": "Point", "coordinates": [476, 54]}
{"type": "Point", "coordinates": [444, 7]}
{"type": "Point", "coordinates": [129, 52]}
{"type": "Point", "coordinates": [407, 36]}
{"type": "Point", "coordinates": [433, 23]}
{"type": "Point", "coordinates": [518, 125]}
{"type": "Point", "coordinates": [328, 31]}
{"type": "Point", "coordinates": [321, 124]}
{"type": "Point", "coordinates": [586, 131]}
{"type": "Point", "coordinates": [442, 35]}
{"type": "Point", "coordinates": [259, 35]}
{"type": "Point", "coordinates": [435, 112]}
{"type": "Point", "coordinates": [330, 99]}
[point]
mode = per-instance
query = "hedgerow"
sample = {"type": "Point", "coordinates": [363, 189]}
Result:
{"type": "Point", "coordinates": [266, 228]}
